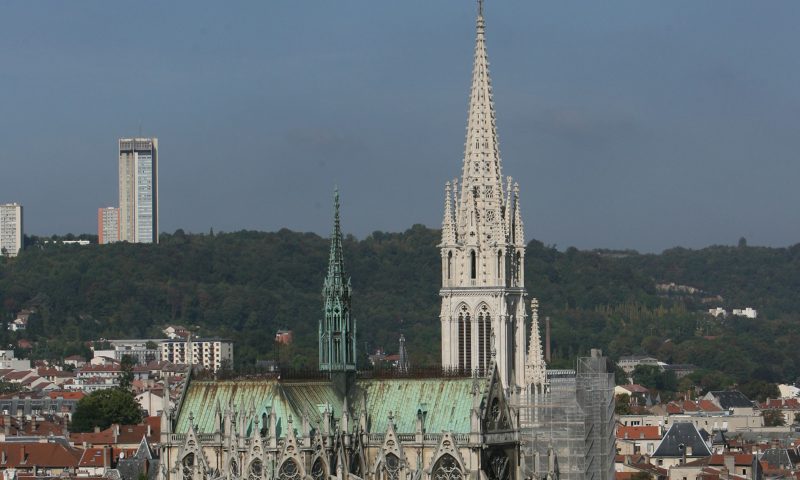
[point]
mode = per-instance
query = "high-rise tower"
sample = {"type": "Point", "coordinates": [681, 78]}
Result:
{"type": "Point", "coordinates": [138, 190]}
{"type": "Point", "coordinates": [337, 330]}
{"type": "Point", "coordinates": [483, 247]}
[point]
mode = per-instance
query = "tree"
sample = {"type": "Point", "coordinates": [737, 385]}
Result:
{"type": "Point", "coordinates": [622, 404]}
{"type": "Point", "coordinates": [126, 376]}
{"type": "Point", "coordinates": [773, 418]}
{"type": "Point", "coordinates": [759, 390]}
{"type": "Point", "coordinates": [104, 407]}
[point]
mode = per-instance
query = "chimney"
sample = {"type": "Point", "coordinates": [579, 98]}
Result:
{"type": "Point", "coordinates": [106, 459]}
{"type": "Point", "coordinates": [7, 424]}
{"type": "Point", "coordinates": [730, 463]}
{"type": "Point", "coordinates": [547, 339]}
{"type": "Point", "coordinates": [149, 431]}
{"type": "Point", "coordinates": [97, 429]}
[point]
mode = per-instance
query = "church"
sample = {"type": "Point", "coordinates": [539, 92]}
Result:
{"type": "Point", "coordinates": [459, 423]}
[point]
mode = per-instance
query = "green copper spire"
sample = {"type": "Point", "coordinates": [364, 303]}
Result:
{"type": "Point", "coordinates": [337, 330]}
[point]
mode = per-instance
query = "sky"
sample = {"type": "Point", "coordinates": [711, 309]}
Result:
{"type": "Point", "coordinates": [628, 124]}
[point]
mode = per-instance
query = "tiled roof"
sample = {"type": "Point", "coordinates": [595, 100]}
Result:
{"type": "Point", "coordinates": [743, 459]}
{"type": "Point", "coordinates": [781, 403]}
{"type": "Point", "coordinates": [639, 432]}
{"type": "Point", "coordinates": [93, 457]}
{"type": "Point", "coordinates": [66, 394]}
{"type": "Point", "coordinates": [47, 455]}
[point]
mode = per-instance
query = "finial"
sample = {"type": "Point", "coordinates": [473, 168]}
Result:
{"type": "Point", "coordinates": [480, 8]}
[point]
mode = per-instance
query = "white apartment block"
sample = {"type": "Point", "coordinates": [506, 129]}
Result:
{"type": "Point", "coordinates": [748, 312]}
{"type": "Point", "coordinates": [208, 352]}
{"type": "Point", "coordinates": [107, 225]}
{"type": "Point", "coordinates": [138, 190]}
{"type": "Point", "coordinates": [10, 229]}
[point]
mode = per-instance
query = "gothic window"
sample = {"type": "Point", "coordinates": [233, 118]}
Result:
{"type": "Point", "coordinates": [490, 216]}
{"type": "Point", "coordinates": [188, 466]}
{"type": "Point", "coordinates": [449, 264]}
{"type": "Point", "coordinates": [498, 466]}
{"type": "Point", "coordinates": [391, 467]}
{"type": "Point", "coordinates": [256, 470]}
{"type": "Point", "coordinates": [318, 470]}
{"type": "Point", "coordinates": [233, 467]}
{"type": "Point", "coordinates": [473, 261]}
{"type": "Point", "coordinates": [464, 340]}
{"type": "Point", "coordinates": [355, 465]}
{"type": "Point", "coordinates": [446, 468]}
{"type": "Point", "coordinates": [487, 190]}
{"type": "Point", "coordinates": [519, 269]}
{"type": "Point", "coordinates": [484, 338]}
{"type": "Point", "coordinates": [499, 262]}
{"type": "Point", "coordinates": [289, 470]}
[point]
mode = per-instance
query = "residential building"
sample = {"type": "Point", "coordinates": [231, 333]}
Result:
{"type": "Point", "coordinates": [637, 440]}
{"type": "Point", "coordinates": [745, 312]}
{"type": "Point", "coordinates": [211, 353]}
{"type": "Point", "coordinates": [108, 225]}
{"type": "Point", "coordinates": [11, 229]}
{"type": "Point", "coordinates": [630, 362]}
{"type": "Point", "coordinates": [284, 337]}
{"type": "Point", "coordinates": [681, 443]}
{"type": "Point", "coordinates": [138, 190]}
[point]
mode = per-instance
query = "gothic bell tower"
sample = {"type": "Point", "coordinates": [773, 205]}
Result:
{"type": "Point", "coordinates": [483, 247]}
{"type": "Point", "coordinates": [337, 329]}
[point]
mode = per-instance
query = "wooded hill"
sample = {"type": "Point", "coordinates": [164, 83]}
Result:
{"type": "Point", "coordinates": [247, 285]}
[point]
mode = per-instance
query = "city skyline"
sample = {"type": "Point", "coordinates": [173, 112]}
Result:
{"type": "Point", "coordinates": [631, 125]}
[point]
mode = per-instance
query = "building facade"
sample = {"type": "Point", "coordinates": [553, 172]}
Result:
{"type": "Point", "coordinates": [11, 233]}
{"type": "Point", "coordinates": [483, 248]}
{"type": "Point", "coordinates": [138, 190]}
{"type": "Point", "coordinates": [107, 225]}
{"type": "Point", "coordinates": [210, 353]}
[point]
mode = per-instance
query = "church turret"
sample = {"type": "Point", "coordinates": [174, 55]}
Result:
{"type": "Point", "coordinates": [337, 330]}
{"type": "Point", "coordinates": [482, 249]}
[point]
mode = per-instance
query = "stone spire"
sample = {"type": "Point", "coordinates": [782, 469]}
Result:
{"type": "Point", "coordinates": [535, 368]}
{"type": "Point", "coordinates": [481, 182]}
{"type": "Point", "coordinates": [337, 332]}
{"type": "Point", "coordinates": [483, 310]}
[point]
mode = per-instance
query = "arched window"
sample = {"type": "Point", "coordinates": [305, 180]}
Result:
{"type": "Point", "coordinates": [484, 338]}
{"type": "Point", "coordinates": [289, 470]}
{"type": "Point", "coordinates": [519, 269]}
{"type": "Point", "coordinates": [391, 468]}
{"type": "Point", "coordinates": [188, 466]}
{"type": "Point", "coordinates": [355, 465]}
{"type": "Point", "coordinates": [499, 263]}
{"type": "Point", "coordinates": [256, 470]}
{"type": "Point", "coordinates": [233, 468]}
{"type": "Point", "coordinates": [464, 340]}
{"type": "Point", "coordinates": [498, 466]}
{"type": "Point", "coordinates": [446, 468]}
{"type": "Point", "coordinates": [449, 265]}
{"type": "Point", "coordinates": [318, 470]}
{"type": "Point", "coordinates": [473, 262]}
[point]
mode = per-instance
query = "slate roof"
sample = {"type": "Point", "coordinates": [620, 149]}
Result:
{"type": "Point", "coordinates": [448, 402]}
{"type": "Point", "coordinates": [781, 458]}
{"type": "Point", "coordinates": [686, 434]}
{"type": "Point", "coordinates": [728, 399]}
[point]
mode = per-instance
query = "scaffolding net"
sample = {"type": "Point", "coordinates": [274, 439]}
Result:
{"type": "Point", "coordinates": [567, 424]}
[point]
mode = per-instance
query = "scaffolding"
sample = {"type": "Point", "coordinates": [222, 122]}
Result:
{"type": "Point", "coordinates": [567, 424]}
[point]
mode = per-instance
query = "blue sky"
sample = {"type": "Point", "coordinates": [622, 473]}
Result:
{"type": "Point", "coordinates": [628, 124]}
